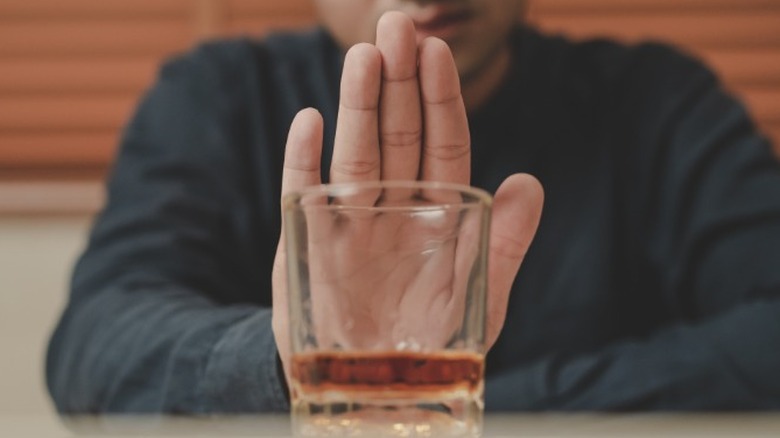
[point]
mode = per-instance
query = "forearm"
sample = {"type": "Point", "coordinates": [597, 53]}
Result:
{"type": "Point", "coordinates": [728, 362]}
{"type": "Point", "coordinates": [156, 348]}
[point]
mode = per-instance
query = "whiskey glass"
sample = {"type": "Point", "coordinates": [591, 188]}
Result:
{"type": "Point", "coordinates": [387, 297]}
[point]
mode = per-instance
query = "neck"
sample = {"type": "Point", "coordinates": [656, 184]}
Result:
{"type": "Point", "coordinates": [478, 86]}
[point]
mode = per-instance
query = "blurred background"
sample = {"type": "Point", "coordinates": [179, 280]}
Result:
{"type": "Point", "coordinates": [72, 71]}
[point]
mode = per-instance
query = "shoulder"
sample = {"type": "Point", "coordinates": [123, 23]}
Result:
{"type": "Point", "coordinates": [607, 67]}
{"type": "Point", "coordinates": [228, 58]}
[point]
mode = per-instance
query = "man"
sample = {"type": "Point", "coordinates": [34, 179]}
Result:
{"type": "Point", "coordinates": [652, 282]}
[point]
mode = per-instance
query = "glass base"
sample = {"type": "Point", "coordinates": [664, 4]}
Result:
{"type": "Point", "coordinates": [461, 417]}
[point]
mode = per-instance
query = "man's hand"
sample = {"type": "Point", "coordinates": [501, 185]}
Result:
{"type": "Point", "coordinates": [402, 117]}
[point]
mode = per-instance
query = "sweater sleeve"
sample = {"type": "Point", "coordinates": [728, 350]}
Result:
{"type": "Point", "coordinates": [728, 362]}
{"type": "Point", "coordinates": [170, 303]}
{"type": "Point", "coordinates": [704, 191]}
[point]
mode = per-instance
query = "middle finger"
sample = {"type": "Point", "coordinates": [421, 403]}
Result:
{"type": "Point", "coordinates": [400, 116]}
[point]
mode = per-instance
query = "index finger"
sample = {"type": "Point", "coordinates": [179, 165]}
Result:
{"type": "Point", "coordinates": [447, 143]}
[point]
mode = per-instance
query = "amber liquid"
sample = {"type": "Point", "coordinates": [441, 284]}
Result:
{"type": "Point", "coordinates": [387, 393]}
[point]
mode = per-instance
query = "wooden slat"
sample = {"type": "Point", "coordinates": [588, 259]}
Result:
{"type": "Point", "coordinates": [89, 37]}
{"type": "Point", "coordinates": [61, 173]}
{"type": "Point", "coordinates": [298, 8]}
{"type": "Point", "coordinates": [259, 26]}
{"type": "Point", "coordinates": [578, 7]}
{"type": "Point", "coordinates": [209, 18]}
{"type": "Point", "coordinates": [50, 113]}
{"type": "Point", "coordinates": [746, 67]}
{"type": "Point", "coordinates": [754, 29]}
{"type": "Point", "coordinates": [773, 129]}
{"type": "Point", "coordinates": [15, 10]}
{"type": "Point", "coordinates": [764, 103]}
{"type": "Point", "coordinates": [258, 18]}
{"type": "Point", "coordinates": [57, 149]}
{"type": "Point", "coordinates": [76, 75]}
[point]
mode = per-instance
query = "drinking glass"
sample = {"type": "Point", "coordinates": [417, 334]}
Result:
{"type": "Point", "coordinates": [387, 295]}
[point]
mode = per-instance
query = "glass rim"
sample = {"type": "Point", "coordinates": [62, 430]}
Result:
{"type": "Point", "coordinates": [479, 196]}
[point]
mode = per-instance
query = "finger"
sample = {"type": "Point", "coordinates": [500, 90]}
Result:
{"type": "Point", "coordinates": [303, 152]}
{"type": "Point", "coordinates": [302, 157]}
{"type": "Point", "coordinates": [356, 149]}
{"type": "Point", "coordinates": [301, 169]}
{"type": "Point", "coordinates": [446, 154]}
{"type": "Point", "coordinates": [400, 122]}
{"type": "Point", "coordinates": [517, 208]}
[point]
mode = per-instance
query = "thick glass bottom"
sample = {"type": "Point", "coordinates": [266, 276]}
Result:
{"type": "Point", "coordinates": [459, 415]}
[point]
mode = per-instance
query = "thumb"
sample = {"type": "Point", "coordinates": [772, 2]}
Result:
{"type": "Point", "coordinates": [517, 208]}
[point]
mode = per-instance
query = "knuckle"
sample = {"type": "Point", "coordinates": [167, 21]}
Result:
{"type": "Point", "coordinates": [444, 100]}
{"type": "Point", "coordinates": [361, 105]}
{"type": "Point", "coordinates": [401, 139]}
{"type": "Point", "coordinates": [355, 167]}
{"type": "Point", "coordinates": [509, 247]}
{"type": "Point", "coordinates": [302, 167]}
{"type": "Point", "coordinates": [448, 152]}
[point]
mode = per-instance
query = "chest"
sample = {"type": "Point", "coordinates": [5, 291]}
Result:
{"type": "Point", "coordinates": [582, 284]}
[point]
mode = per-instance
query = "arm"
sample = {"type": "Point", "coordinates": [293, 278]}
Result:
{"type": "Point", "coordinates": [708, 203]}
{"type": "Point", "coordinates": [160, 316]}
{"type": "Point", "coordinates": [727, 362]}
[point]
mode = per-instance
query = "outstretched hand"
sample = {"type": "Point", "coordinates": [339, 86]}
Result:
{"type": "Point", "coordinates": [401, 117]}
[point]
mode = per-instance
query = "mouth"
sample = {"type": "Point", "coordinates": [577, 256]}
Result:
{"type": "Point", "coordinates": [440, 21]}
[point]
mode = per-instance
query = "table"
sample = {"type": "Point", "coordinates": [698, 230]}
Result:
{"type": "Point", "coordinates": [496, 426]}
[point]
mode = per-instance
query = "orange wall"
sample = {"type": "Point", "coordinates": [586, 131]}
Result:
{"type": "Point", "coordinates": [71, 71]}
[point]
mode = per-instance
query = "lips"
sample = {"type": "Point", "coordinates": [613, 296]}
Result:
{"type": "Point", "coordinates": [440, 21]}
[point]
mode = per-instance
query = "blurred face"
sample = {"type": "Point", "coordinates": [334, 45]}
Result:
{"type": "Point", "coordinates": [476, 30]}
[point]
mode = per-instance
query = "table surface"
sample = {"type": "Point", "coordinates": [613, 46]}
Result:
{"type": "Point", "coordinates": [496, 425]}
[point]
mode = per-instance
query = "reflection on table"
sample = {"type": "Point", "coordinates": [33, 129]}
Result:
{"type": "Point", "coordinates": [496, 425]}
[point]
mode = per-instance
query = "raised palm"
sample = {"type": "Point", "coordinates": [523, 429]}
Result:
{"type": "Point", "coordinates": [401, 117]}
{"type": "Point", "coordinates": [394, 276]}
